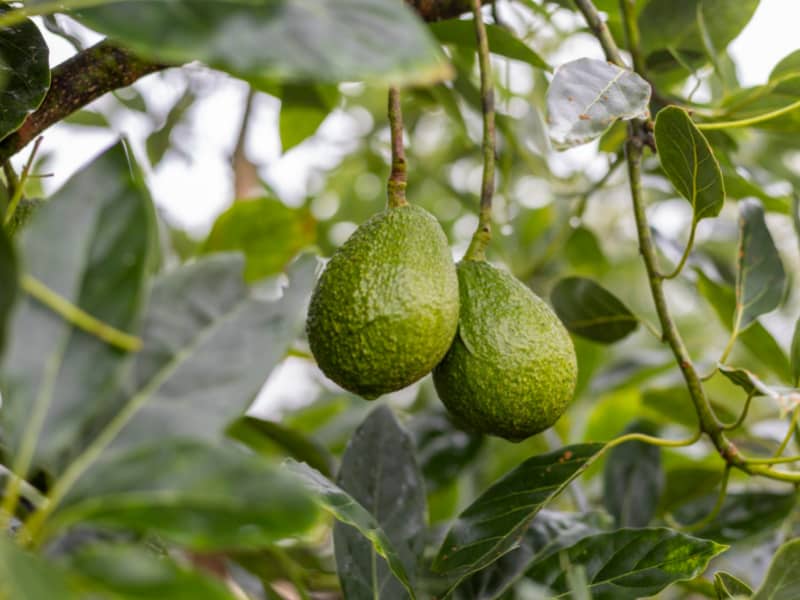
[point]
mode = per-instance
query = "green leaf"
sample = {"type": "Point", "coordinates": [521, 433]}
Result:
{"type": "Point", "coordinates": [262, 435]}
{"type": "Point", "coordinates": [794, 353]}
{"type": "Point", "coordinates": [9, 289]}
{"type": "Point", "coordinates": [92, 244]}
{"type": "Point", "coordinates": [200, 496]}
{"type": "Point", "coordinates": [159, 141]}
{"type": "Point", "coordinates": [689, 162]}
{"type": "Point", "coordinates": [25, 576]}
{"type": "Point", "coordinates": [746, 380]}
{"type": "Point", "coordinates": [633, 479]}
{"type": "Point", "coordinates": [783, 578]}
{"type": "Point", "coordinates": [279, 39]}
{"type": "Point", "coordinates": [24, 72]}
{"type": "Point", "coordinates": [490, 526]}
{"type": "Point", "coordinates": [209, 345]}
{"type": "Point", "coordinates": [586, 97]}
{"type": "Point", "coordinates": [128, 572]}
{"type": "Point", "coordinates": [303, 109]}
{"type": "Point", "coordinates": [629, 563]}
{"type": "Point", "coordinates": [269, 233]}
{"type": "Point", "coordinates": [341, 505]}
{"type": "Point", "coordinates": [728, 586]}
{"type": "Point", "coordinates": [380, 472]}
{"type": "Point", "coordinates": [589, 310]}
{"type": "Point", "coordinates": [743, 515]}
{"type": "Point", "coordinates": [549, 532]}
{"type": "Point", "coordinates": [760, 278]}
{"type": "Point", "coordinates": [461, 33]}
{"type": "Point", "coordinates": [755, 338]}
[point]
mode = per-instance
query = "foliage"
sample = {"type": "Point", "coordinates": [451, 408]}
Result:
{"type": "Point", "coordinates": [134, 462]}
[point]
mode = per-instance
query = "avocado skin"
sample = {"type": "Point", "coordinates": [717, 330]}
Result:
{"type": "Point", "coordinates": [511, 370]}
{"type": "Point", "coordinates": [385, 310]}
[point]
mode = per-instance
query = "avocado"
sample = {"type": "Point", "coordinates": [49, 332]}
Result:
{"type": "Point", "coordinates": [385, 310]}
{"type": "Point", "coordinates": [511, 370]}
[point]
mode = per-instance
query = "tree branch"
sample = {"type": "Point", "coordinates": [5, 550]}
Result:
{"type": "Point", "coordinates": [437, 10]}
{"type": "Point", "coordinates": [74, 84]}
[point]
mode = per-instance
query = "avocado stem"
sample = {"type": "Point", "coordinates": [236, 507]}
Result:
{"type": "Point", "coordinates": [483, 233]}
{"type": "Point", "coordinates": [396, 186]}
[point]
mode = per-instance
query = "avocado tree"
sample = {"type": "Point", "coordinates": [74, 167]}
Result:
{"type": "Point", "coordinates": [611, 331]}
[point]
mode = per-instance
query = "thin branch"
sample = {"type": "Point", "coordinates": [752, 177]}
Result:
{"type": "Point", "coordinates": [396, 186]}
{"type": "Point", "coordinates": [483, 234]}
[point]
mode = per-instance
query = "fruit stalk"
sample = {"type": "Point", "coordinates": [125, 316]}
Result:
{"type": "Point", "coordinates": [483, 234]}
{"type": "Point", "coordinates": [396, 186]}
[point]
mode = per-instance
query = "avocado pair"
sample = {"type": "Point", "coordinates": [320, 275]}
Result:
{"type": "Point", "coordinates": [391, 306]}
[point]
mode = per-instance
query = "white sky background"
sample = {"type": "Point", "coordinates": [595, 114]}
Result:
{"type": "Point", "coordinates": [192, 190]}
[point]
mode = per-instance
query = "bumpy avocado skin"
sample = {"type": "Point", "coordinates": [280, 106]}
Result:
{"type": "Point", "coordinates": [511, 370]}
{"type": "Point", "coordinates": [385, 310]}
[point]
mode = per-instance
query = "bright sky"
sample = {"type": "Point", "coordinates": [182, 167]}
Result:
{"type": "Point", "coordinates": [192, 191]}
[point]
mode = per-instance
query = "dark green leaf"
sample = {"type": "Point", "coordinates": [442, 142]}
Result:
{"type": "Point", "coordinates": [262, 435]}
{"type": "Point", "coordinates": [755, 338]}
{"type": "Point", "coordinates": [443, 450]}
{"type": "Point", "coordinates": [783, 578]}
{"type": "Point", "coordinates": [729, 586]}
{"type": "Point", "coordinates": [549, 532]}
{"type": "Point", "coordinates": [199, 496]}
{"type": "Point", "coordinates": [380, 472]}
{"type": "Point", "coordinates": [760, 278]}
{"type": "Point", "coordinates": [591, 311]}
{"type": "Point", "coordinates": [92, 244]}
{"type": "Point", "coordinates": [689, 162]}
{"type": "Point", "coordinates": [629, 563]}
{"type": "Point", "coordinates": [278, 39]}
{"type": "Point", "coordinates": [9, 288]}
{"type": "Point", "coordinates": [742, 515]}
{"type": "Point", "coordinates": [303, 109]}
{"type": "Point", "coordinates": [209, 345]}
{"type": "Point", "coordinates": [633, 479]}
{"type": "Point", "coordinates": [24, 72]}
{"type": "Point", "coordinates": [461, 33]}
{"type": "Point", "coordinates": [795, 353]}
{"type": "Point", "coordinates": [269, 233]}
{"type": "Point", "coordinates": [24, 576]}
{"type": "Point", "coordinates": [586, 97]}
{"type": "Point", "coordinates": [491, 525]}
{"type": "Point", "coordinates": [341, 505]}
{"type": "Point", "coordinates": [127, 572]}
{"type": "Point", "coordinates": [746, 380]}
{"type": "Point", "coordinates": [159, 141]}
{"type": "Point", "coordinates": [688, 481]}
{"type": "Point", "coordinates": [87, 118]}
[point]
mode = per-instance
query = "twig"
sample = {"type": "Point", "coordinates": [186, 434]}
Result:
{"type": "Point", "coordinates": [483, 234]}
{"type": "Point", "coordinates": [396, 185]}
{"type": "Point", "coordinates": [19, 186]}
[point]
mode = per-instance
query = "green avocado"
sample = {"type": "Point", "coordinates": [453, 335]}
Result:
{"type": "Point", "coordinates": [385, 310]}
{"type": "Point", "coordinates": [511, 370]}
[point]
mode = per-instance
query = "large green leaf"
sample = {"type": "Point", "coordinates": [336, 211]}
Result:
{"type": "Point", "coordinates": [8, 291]}
{"type": "Point", "coordinates": [262, 436]}
{"type": "Point", "coordinates": [380, 472]}
{"type": "Point", "coordinates": [199, 496]}
{"type": "Point", "coordinates": [318, 40]}
{"type": "Point", "coordinates": [689, 162]}
{"type": "Point", "coordinates": [628, 563]}
{"type": "Point", "coordinates": [209, 345]}
{"type": "Point", "coordinates": [760, 278]}
{"type": "Point", "coordinates": [303, 109]}
{"type": "Point", "coordinates": [490, 526]}
{"type": "Point", "coordinates": [589, 310]}
{"type": "Point", "coordinates": [783, 578]}
{"type": "Point", "coordinates": [633, 479]}
{"type": "Point", "coordinates": [24, 72]}
{"type": "Point", "coordinates": [461, 33]}
{"type": "Point", "coordinates": [268, 232]}
{"type": "Point", "coordinates": [92, 244]}
{"type": "Point", "coordinates": [549, 532]}
{"type": "Point", "coordinates": [24, 576]}
{"type": "Point", "coordinates": [758, 341]}
{"type": "Point", "coordinates": [341, 505]}
{"type": "Point", "coordinates": [128, 572]}
{"type": "Point", "coordinates": [586, 97]}
{"type": "Point", "coordinates": [727, 586]}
